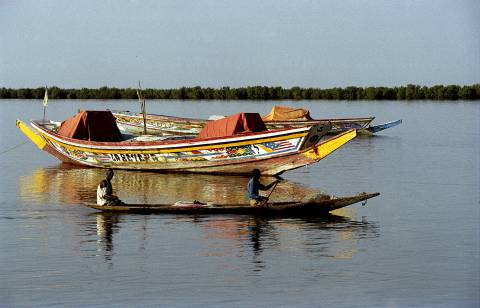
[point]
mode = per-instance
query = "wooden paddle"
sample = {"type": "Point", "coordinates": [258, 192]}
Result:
{"type": "Point", "coordinates": [275, 185]}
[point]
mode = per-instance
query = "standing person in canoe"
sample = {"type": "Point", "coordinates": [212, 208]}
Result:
{"type": "Point", "coordinates": [105, 194]}
{"type": "Point", "coordinates": [253, 188]}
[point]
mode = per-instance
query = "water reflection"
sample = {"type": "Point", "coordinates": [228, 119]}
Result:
{"type": "Point", "coordinates": [259, 229]}
{"type": "Point", "coordinates": [226, 236]}
{"type": "Point", "coordinates": [251, 237]}
{"type": "Point", "coordinates": [72, 185]}
{"type": "Point", "coordinates": [329, 236]}
{"type": "Point", "coordinates": [107, 225]}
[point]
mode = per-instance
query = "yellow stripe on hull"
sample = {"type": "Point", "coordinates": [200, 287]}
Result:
{"type": "Point", "coordinates": [328, 147]}
{"type": "Point", "coordinates": [36, 139]}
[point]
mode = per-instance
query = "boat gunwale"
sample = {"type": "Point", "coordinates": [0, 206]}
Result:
{"type": "Point", "coordinates": [90, 145]}
{"type": "Point", "coordinates": [183, 120]}
{"type": "Point", "coordinates": [175, 144]}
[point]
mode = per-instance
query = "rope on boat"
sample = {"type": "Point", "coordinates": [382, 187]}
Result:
{"type": "Point", "coordinates": [14, 147]}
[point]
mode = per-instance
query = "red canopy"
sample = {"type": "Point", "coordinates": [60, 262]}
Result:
{"type": "Point", "coordinates": [92, 126]}
{"type": "Point", "coordinates": [233, 125]}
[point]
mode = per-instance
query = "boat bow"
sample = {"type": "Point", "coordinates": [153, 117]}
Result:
{"type": "Point", "coordinates": [38, 140]}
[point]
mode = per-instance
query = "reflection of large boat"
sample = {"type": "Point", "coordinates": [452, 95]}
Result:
{"type": "Point", "coordinates": [72, 185]}
{"type": "Point", "coordinates": [233, 145]}
{"type": "Point", "coordinates": [319, 205]}
{"type": "Point", "coordinates": [279, 118]}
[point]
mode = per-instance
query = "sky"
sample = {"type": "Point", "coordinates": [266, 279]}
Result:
{"type": "Point", "coordinates": [170, 44]}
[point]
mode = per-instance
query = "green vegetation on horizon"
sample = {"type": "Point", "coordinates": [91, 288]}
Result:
{"type": "Point", "coordinates": [408, 92]}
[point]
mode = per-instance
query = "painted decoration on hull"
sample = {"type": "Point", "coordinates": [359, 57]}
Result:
{"type": "Point", "coordinates": [259, 150]}
{"type": "Point", "coordinates": [272, 152]}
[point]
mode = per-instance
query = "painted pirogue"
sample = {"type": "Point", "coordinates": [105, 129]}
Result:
{"type": "Point", "coordinates": [233, 145]}
{"type": "Point", "coordinates": [279, 118]}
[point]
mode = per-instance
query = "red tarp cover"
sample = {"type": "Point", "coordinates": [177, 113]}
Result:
{"type": "Point", "coordinates": [233, 125]}
{"type": "Point", "coordinates": [92, 126]}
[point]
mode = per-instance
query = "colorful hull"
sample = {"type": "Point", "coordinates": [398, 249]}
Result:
{"type": "Point", "coordinates": [168, 125]}
{"type": "Point", "coordinates": [312, 207]}
{"type": "Point", "coordinates": [273, 152]}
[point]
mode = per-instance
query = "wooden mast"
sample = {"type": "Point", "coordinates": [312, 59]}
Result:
{"type": "Point", "coordinates": [141, 100]}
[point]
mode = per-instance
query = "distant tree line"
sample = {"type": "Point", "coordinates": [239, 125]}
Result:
{"type": "Point", "coordinates": [408, 92]}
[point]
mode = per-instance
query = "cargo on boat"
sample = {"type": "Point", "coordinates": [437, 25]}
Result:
{"type": "Point", "coordinates": [317, 206]}
{"type": "Point", "coordinates": [278, 118]}
{"type": "Point", "coordinates": [232, 145]}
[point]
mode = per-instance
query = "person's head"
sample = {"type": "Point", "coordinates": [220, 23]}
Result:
{"type": "Point", "coordinates": [256, 173]}
{"type": "Point", "coordinates": [109, 174]}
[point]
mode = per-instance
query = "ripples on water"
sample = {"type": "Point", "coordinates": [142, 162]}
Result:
{"type": "Point", "coordinates": [416, 244]}
{"type": "Point", "coordinates": [235, 250]}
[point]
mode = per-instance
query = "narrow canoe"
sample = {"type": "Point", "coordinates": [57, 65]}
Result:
{"type": "Point", "coordinates": [323, 205]}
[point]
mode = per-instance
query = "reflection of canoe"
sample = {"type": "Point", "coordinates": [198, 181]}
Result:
{"type": "Point", "coordinates": [273, 152]}
{"type": "Point", "coordinates": [322, 205]}
{"type": "Point", "coordinates": [169, 125]}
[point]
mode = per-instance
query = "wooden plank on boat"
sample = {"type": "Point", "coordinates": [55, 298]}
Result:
{"type": "Point", "coordinates": [312, 207]}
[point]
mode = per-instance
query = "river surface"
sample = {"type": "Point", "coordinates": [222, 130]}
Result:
{"type": "Point", "coordinates": [417, 244]}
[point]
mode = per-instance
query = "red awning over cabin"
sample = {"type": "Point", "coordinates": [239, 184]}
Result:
{"type": "Point", "coordinates": [233, 125]}
{"type": "Point", "coordinates": [92, 126]}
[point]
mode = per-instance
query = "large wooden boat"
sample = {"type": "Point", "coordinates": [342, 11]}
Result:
{"type": "Point", "coordinates": [91, 138]}
{"type": "Point", "coordinates": [317, 206]}
{"type": "Point", "coordinates": [279, 118]}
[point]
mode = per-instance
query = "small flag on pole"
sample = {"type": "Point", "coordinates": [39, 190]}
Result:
{"type": "Point", "coordinates": [45, 98]}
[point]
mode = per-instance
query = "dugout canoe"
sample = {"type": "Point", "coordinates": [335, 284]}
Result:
{"type": "Point", "coordinates": [272, 152]}
{"type": "Point", "coordinates": [318, 206]}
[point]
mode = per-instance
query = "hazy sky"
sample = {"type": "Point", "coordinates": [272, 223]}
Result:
{"type": "Point", "coordinates": [238, 43]}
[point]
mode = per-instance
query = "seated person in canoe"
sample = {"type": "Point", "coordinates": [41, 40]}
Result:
{"type": "Point", "coordinates": [253, 188]}
{"type": "Point", "coordinates": [105, 194]}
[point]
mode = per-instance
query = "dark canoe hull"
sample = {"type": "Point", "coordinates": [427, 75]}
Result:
{"type": "Point", "coordinates": [314, 207]}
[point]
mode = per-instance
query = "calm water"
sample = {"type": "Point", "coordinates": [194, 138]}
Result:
{"type": "Point", "coordinates": [415, 245]}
